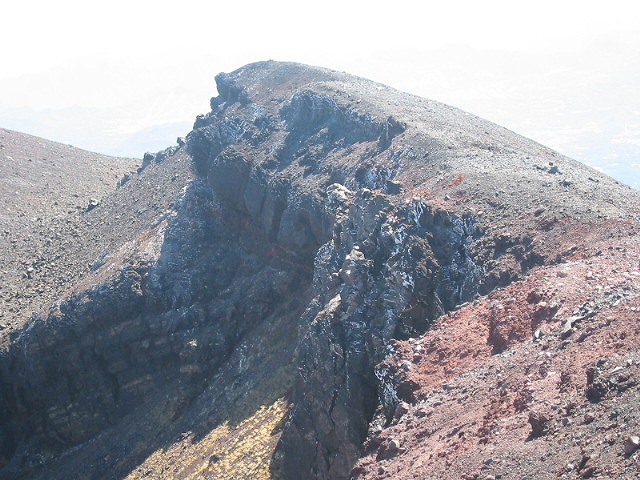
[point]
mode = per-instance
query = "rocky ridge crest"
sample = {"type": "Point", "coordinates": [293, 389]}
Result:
{"type": "Point", "coordinates": [308, 221]}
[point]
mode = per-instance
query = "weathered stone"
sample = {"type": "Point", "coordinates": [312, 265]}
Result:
{"type": "Point", "coordinates": [147, 158]}
{"type": "Point", "coordinates": [553, 169]}
{"type": "Point", "coordinates": [394, 445]}
{"type": "Point", "coordinates": [401, 409]}
{"type": "Point", "coordinates": [631, 444]}
{"type": "Point", "coordinates": [93, 203]}
{"type": "Point", "coordinates": [539, 423]}
{"type": "Point", "coordinates": [125, 178]}
{"type": "Point", "coordinates": [393, 188]}
{"type": "Point", "coordinates": [567, 328]}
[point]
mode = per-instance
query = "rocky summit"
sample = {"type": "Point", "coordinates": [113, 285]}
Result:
{"type": "Point", "coordinates": [325, 279]}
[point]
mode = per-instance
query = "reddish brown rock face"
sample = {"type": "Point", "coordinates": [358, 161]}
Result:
{"type": "Point", "coordinates": [551, 404]}
{"type": "Point", "coordinates": [328, 278]}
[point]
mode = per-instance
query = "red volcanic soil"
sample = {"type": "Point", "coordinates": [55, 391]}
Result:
{"type": "Point", "coordinates": [537, 380]}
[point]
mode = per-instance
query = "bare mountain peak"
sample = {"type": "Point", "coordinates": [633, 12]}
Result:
{"type": "Point", "coordinates": [311, 273]}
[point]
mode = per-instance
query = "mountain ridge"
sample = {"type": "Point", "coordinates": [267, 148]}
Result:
{"type": "Point", "coordinates": [310, 220]}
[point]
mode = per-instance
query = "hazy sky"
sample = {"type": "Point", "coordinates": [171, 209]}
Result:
{"type": "Point", "coordinates": [38, 34]}
{"type": "Point", "coordinates": [71, 53]}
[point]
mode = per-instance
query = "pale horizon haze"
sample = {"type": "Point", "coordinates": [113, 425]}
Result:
{"type": "Point", "coordinates": [126, 77]}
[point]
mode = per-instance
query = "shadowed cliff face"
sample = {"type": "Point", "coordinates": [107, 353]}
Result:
{"type": "Point", "coordinates": [326, 216]}
{"type": "Point", "coordinates": [167, 320]}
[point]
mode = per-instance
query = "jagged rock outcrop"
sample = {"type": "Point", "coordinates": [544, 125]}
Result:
{"type": "Point", "coordinates": [379, 277]}
{"type": "Point", "coordinates": [151, 326]}
{"type": "Point", "coordinates": [322, 213]}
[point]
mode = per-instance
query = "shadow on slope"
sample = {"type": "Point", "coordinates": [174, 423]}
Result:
{"type": "Point", "coordinates": [163, 351]}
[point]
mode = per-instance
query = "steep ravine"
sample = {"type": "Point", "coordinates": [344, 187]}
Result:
{"type": "Point", "coordinates": [300, 229]}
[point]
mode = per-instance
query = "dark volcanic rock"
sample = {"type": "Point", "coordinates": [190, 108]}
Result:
{"type": "Point", "coordinates": [378, 278]}
{"type": "Point", "coordinates": [101, 352]}
{"type": "Point", "coordinates": [341, 213]}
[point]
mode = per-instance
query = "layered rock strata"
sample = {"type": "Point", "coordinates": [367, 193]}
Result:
{"type": "Point", "coordinates": [323, 213]}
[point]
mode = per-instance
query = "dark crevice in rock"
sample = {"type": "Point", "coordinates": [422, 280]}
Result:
{"type": "Point", "coordinates": [112, 379]}
{"type": "Point", "coordinates": [450, 239]}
